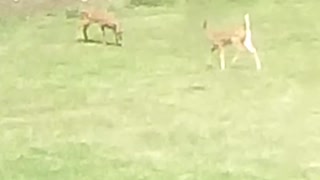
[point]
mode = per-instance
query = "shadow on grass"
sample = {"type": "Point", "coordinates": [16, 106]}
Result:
{"type": "Point", "coordinates": [92, 41]}
{"type": "Point", "coordinates": [237, 67]}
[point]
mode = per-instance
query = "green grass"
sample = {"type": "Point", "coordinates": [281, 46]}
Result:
{"type": "Point", "coordinates": [151, 110]}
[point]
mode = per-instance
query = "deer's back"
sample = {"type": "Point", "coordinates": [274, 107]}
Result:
{"type": "Point", "coordinates": [227, 37]}
{"type": "Point", "coordinates": [98, 16]}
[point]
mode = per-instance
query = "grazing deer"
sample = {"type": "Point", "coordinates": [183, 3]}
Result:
{"type": "Point", "coordinates": [104, 20]}
{"type": "Point", "coordinates": [240, 37]}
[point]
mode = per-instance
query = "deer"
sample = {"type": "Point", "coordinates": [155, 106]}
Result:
{"type": "Point", "coordinates": [106, 20]}
{"type": "Point", "coordinates": [239, 36]}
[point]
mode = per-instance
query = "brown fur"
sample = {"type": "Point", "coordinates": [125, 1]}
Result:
{"type": "Point", "coordinates": [220, 39]}
{"type": "Point", "coordinates": [235, 36]}
{"type": "Point", "coordinates": [104, 20]}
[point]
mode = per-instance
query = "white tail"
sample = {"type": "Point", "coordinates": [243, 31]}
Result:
{"type": "Point", "coordinates": [247, 21]}
{"type": "Point", "coordinates": [248, 38]}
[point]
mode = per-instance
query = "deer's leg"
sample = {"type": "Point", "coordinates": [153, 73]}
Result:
{"type": "Point", "coordinates": [116, 38]}
{"type": "Point", "coordinates": [222, 60]}
{"type": "Point", "coordinates": [240, 48]}
{"type": "Point", "coordinates": [257, 60]}
{"type": "Point", "coordinates": [253, 51]}
{"type": "Point", "coordinates": [103, 31]}
{"type": "Point", "coordinates": [85, 25]}
{"type": "Point", "coordinates": [235, 57]}
{"type": "Point", "coordinates": [249, 46]}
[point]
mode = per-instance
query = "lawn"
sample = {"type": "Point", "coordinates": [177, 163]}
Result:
{"type": "Point", "coordinates": [151, 109]}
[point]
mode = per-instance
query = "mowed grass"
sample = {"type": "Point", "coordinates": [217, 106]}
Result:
{"type": "Point", "coordinates": [151, 110]}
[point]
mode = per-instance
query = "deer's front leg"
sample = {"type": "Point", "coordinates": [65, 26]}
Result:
{"type": "Point", "coordinates": [85, 26]}
{"type": "Point", "coordinates": [222, 60]}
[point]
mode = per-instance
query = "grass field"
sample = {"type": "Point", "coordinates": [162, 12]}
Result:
{"type": "Point", "coordinates": [151, 109]}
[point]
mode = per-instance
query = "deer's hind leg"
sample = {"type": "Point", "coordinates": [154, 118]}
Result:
{"type": "Point", "coordinates": [249, 46]}
{"type": "Point", "coordinates": [239, 49]}
{"type": "Point", "coordinates": [115, 31]}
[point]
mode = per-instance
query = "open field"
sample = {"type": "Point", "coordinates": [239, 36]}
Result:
{"type": "Point", "coordinates": [151, 109]}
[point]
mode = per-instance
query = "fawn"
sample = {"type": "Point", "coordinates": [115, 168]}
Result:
{"type": "Point", "coordinates": [104, 20]}
{"type": "Point", "coordinates": [240, 37]}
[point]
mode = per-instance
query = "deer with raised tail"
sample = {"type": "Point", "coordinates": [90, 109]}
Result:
{"type": "Point", "coordinates": [239, 36]}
